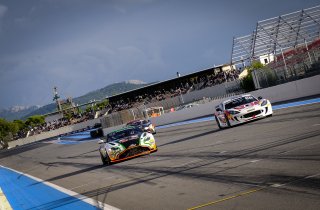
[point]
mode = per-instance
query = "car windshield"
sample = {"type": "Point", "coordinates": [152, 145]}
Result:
{"type": "Point", "coordinates": [116, 135]}
{"type": "Point", "coordinates": [239, 101]}
{"type": "Point", "coordinates": [138, 123]}
{"type": "Point", "coordinates": [134, 123]}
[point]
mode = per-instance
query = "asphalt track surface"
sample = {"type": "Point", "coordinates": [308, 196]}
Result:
{"type": "Point", "coordinates": [273, 163]}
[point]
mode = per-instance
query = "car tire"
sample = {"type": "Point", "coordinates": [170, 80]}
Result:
{"type": "Point", "coordinates": [227, 120]}
{"type": "Point", "coordinates": [105, 160]}
{"type": "Point", "coordinates": [218, 122]}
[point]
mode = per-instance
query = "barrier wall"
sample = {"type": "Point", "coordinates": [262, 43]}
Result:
{"type": "Point", "coordinates": [288, 91]}
{"type": "Point", "coordinates": [50, 134]}
{"type": "Point", "coordinates": [211, 92]}
{"type": "Point", "coordinates": [292, 90]}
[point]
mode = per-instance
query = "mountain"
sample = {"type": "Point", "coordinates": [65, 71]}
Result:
{"type": "Point", "coordinates": [16, 112]}
{"type": "Point", "coordinates": [110, 90]}
{"type": "Point", "coordinates": [99, 94]}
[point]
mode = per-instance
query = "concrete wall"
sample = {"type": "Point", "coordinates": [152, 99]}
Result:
{"type": "Point", "coordinates": [292, 90]}
{"type": "Point", "coordinates": [212, 92]}
{"type": "Point", "coordinates": [57, 132]}
{"type": "Point", "coordinates": [297, 89]}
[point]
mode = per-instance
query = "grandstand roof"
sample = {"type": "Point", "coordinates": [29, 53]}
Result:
{"type": "Point", "coordinates": [167, 82]}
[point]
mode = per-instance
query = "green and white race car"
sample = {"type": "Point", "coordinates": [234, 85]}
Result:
{"type": "Point", "coordinates": [126, 143]}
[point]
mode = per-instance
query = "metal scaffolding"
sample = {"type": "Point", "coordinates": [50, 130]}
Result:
{"type": "Point", "coordinates": [277, 36]}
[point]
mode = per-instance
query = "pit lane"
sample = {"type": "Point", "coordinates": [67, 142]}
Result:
{"type": "Point", "coordinates": [271, 163]}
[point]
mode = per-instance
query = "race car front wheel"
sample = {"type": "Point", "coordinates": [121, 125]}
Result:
{"type": "Point", "coordinates": [218, 123]}
{"type": "Point", "coordinates": [228, 122]}
{"type": "Point", "coordinates": [105, 160]}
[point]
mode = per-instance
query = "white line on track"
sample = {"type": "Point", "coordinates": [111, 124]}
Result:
{"type": "Point", "coordinates": [312, 176]}
{"type": "Point", "coordinates": [88, 200]}
{"type": "Point", "coordinates": [276, 185]}
{"type": "Point", "coordinates": [254, 161]}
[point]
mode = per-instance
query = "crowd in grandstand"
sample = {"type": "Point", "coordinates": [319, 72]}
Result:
{"type": "Point", "coordinates": [123, 104]}
{"type": "Point", "coordinates": [182, 88]}
{"type": "Point", "coordinates": [53, 125]}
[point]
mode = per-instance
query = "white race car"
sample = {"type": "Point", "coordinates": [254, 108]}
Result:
{"type": "Point", "coordinates": [241, 109]}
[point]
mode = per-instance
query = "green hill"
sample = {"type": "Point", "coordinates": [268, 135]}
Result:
{"type": "Point", "coordinates": [99, 94]}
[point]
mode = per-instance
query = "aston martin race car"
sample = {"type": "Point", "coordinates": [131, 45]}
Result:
{"type": "Point", "coordinates": [126, 143]}
{"type": "Point", "coordinates": [145, 125]}
{"type": "Point", "coordinates": [241, 109]}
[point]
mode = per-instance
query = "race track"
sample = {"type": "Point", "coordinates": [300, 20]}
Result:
{"type": "Point", "coordinates": [273, 163]}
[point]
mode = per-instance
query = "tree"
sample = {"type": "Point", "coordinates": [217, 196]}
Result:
{"type": "Point", "coordinates": [255, 65]}
{"type": "Point", "coordinates": [103, 104]}
{"type": "Point", "coordinates": [247, 82]}
{"type": "Point", "coordinates": [20, 124]}
{"type": "Point", "coordinates": [35, 120]}
{"type": "Point", "coordinates": [7, 130]}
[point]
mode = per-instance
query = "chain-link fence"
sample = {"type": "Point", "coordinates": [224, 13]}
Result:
{"type": "Point", "coordinates": [233, 86]}
{"type": "Point", "coordinates": [122, 117]}
{"type": "Point", "coordinates": [167, 103]}
{"type": "Point", "coordinates": [294, 66]}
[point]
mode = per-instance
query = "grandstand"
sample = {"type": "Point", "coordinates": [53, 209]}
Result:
{"type": "Point", "coordinates": [172, 88]}
{"type": "Point", "coordinates": [277, 35]}
{"type": "Point", "coordinates": [289, 45]}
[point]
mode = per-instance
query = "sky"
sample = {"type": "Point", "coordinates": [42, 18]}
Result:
{"type": "Point", "coordinates": [83, 45]}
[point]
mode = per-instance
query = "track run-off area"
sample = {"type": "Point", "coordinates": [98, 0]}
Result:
{"type": "Point", "coordinates": [272, 163]}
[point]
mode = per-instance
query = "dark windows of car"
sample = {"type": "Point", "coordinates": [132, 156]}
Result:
{"type": "Point", "coordinates": [135, 123]}
{"type": "Point", "coordinates": [139, 123]}
{"type": "Point", "coordinates": [239, 101]}
{"type": "Point", "coordinates": [116, 135]}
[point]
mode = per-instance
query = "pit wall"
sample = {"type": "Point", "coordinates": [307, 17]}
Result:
{"type": "Point", "coordinates": [288, 91]}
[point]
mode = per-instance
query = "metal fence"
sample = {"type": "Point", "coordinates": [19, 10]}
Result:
{"type": "Point", "coordinates": [122, 117]}
{"type": "Point", "coordinates": [296, 65]}
{"type": "Point", "coordinates": [167, 104]}
{"type": "Point", "coordinates": [233, 86]}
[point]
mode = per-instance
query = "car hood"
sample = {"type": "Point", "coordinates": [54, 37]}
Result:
{"type": "Point", "coordinates": [125, 142]}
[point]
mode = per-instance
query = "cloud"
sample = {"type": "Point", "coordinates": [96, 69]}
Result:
{"type": "Point", "coordinates": [3, 10]}
{"type": "Point", "coordinates": [76, 67]}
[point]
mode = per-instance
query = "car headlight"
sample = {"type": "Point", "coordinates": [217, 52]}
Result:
{"type": "Point", "coordinates": [264, 102]}
{"type": "Point", "coordinates": [113, 148]}
{"type": "Point", "coordinates": [233, 112]}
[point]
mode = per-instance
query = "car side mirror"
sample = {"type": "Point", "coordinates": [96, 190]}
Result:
{"type": "Point", "coordinates": [218, 110]}
{"type": "Point", "coordinates": [259, 98]}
